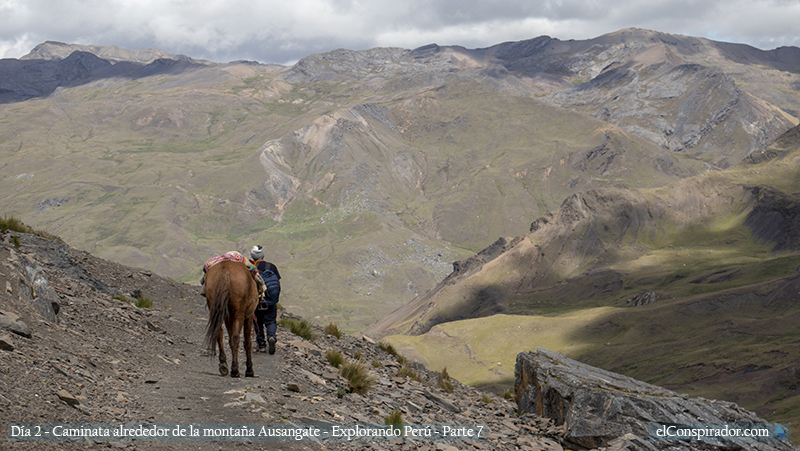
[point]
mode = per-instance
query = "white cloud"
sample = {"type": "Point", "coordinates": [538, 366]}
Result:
{"type": "Point", "coordinates": [475, 35]}
{"type": "Point", "coordinates": [275, 31]}
{"type": "Point", "coordinates": [16, 46]}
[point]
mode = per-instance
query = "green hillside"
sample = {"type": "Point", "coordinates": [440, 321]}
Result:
{"type": "Point", "coordinates": [738, 345]}
{"type": "Point", "coordinates": [693, 286]}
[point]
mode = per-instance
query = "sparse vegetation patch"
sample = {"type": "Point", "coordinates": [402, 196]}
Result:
{"type": "Point", "coordinates": [395, 419]}
{"type": "Point", "coordinates": [444, 381]}
{"type": "Point", "coordinates": [144, 302]}
{"type": "Point", "coordinates": [386, 347]}
{"type": "Point", "coordinates": [335, 357]}
{"type": "Point", "coordinates": [301, 328]}
{"type": "Point", "coordinates": [15, 225]}
{"type": "Point", "coordinates": [409, 372]}
{"type": "Point", "coordinates": [358, 377]}
{"type": "Point", "coordinates": [333, 329]}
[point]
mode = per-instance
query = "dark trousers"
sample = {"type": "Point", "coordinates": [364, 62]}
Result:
{"type": "Point", "coordinates": [267, 319]}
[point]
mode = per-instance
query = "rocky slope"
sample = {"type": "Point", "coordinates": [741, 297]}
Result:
{"type": "Point", "coordinates": [72, 353]}
{"type": "Point", "coordinates": [705, 93]}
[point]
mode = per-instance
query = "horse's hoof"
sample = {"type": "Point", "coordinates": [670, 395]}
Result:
{"type": "Point", "coordinates": [223, 370]}
{"type": "Point", "coordinates": [249, 373]}
{"type": "Point", "coordinates": [234, 374]}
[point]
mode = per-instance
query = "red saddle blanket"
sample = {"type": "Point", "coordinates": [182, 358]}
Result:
{"type": "Point", "coordinates": [230, 256]}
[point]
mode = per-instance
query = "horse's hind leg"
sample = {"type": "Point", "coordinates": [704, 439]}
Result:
{"type": "Point", "coordinates": [248, 347]}
{"type": "Point", "coordinates": [234, 330]}
{"type": "Point", "coordinates": [223, 359]}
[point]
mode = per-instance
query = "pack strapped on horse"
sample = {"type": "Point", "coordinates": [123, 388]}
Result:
{"type": "Point", "coordinates": [234, 257]}
{"type": "Point", "coordinates": [230, 256]}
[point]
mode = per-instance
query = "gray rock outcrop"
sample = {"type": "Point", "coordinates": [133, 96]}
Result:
{"type": "Point", "coordinates": [648, 297]}
{"type": "Point", "coordinates": [10, 321]}
{"type": "Point", "coordinates": [598, 408]}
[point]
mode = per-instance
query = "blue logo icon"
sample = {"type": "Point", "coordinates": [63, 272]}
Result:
{"type": "Point", "coordinates": [780, 432]}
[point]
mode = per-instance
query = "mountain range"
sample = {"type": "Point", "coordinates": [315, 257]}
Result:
{"type": "Point", "coordinates": [570, 181]}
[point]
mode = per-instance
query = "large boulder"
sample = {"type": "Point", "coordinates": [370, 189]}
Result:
{"type": "Point", "coordinates": [599, 408]}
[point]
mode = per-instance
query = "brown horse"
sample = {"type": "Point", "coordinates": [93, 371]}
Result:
{"type": "Point", "coordinates": [232, 298]}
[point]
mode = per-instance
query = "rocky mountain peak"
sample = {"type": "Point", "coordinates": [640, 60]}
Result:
{"type": "Point", "coordinates": [54, 51]}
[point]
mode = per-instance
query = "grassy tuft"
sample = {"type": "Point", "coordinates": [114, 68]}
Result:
{"type": "Point", "coordinates": [395, 419]}
{"type": "Point", "coordinates": [386, 347]}
{"type": "Point", "coordinates": [15, 225]}
{"type": "Point", "coordinates": [12, 223]}
{"type": "Point", "coordinates": [333, 329]}
{"type": "Point", "coordinates": [406, 370]}
{"type": "Point", "coordinates": [120, 297]}
{"type": "Point", "coordinates": [444, 381]}
{"type": "Point", "coordinates": [335, 358]}
{"type": "Point", "coordinates": [486, 399]}
{"type": "Point", "coordinates": [358, 376]}
{"type": "Point", "coordinates": [144, 302]}
{"type": "Point", "coordinates": [507, 394]}
{"type": "Point", "coordinates": [301, 328]}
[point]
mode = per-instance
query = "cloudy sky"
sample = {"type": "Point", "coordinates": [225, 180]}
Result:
{"type": "Point", "coordinates": [283, 31]}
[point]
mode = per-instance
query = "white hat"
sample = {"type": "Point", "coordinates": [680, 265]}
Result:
{"type": "Point", "coordinates": [256, 252]}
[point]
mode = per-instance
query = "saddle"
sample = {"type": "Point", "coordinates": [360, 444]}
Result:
{"type": "Point", "coordinates": [234, 257]}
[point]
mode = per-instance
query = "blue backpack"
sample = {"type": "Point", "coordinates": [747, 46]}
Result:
{"type": "Point", "coordinates": [272, 283]}
{"type": "Point", "coordinates": [270, 280]}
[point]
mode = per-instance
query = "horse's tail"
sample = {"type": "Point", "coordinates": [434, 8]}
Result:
{"type": "Point", "coordinates": [219, 310]}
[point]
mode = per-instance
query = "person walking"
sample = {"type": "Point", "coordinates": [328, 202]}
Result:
{"type": "Point", "coordinates": [267, 310]}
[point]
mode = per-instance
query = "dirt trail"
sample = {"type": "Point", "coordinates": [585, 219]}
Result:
{"type": "Point", "coordinates": [103, 360]}
{"type": "Point", "coordinates": [193, 392]}
{"type": "Point", "coordinates": [118, 363]}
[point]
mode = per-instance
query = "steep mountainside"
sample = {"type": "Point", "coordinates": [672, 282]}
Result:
{"type": "Point", "coordinates": [365, 173]}
{"type": "Point", "coordinates": [743, 215]}
{"type": "Point", "coordinates": [692, 285]}
{"type": "Point", "coordinates": [693, 95]}
{"type": "Point", "coordinates": [55, 65]}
